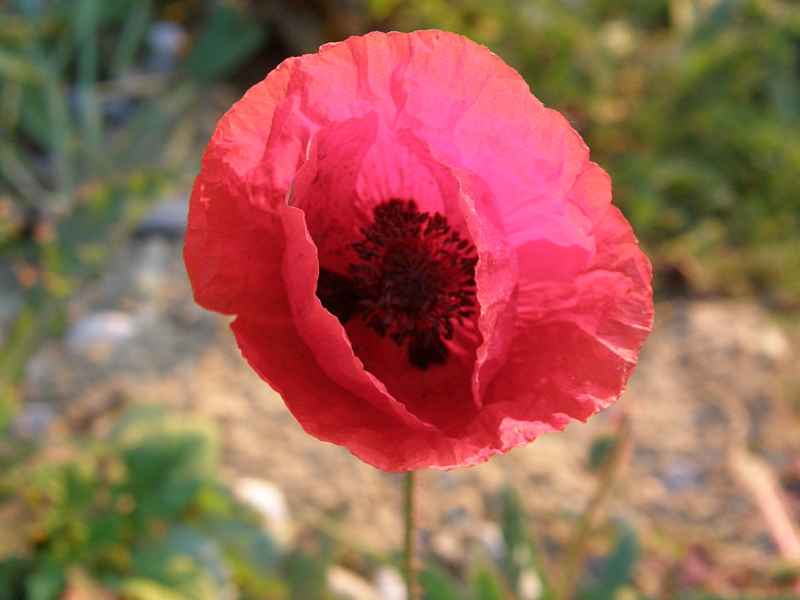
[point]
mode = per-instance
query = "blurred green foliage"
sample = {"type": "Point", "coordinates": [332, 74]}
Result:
{"type": "Point", "coordinates": [139, 515]}
{"type": "Point", "coordinates": [521, 573]}
{"type": "Point", "coordinates": [103, 107]}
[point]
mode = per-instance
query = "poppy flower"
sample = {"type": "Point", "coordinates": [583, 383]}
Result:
{"type": "Point", "coordinates": [421, 259]}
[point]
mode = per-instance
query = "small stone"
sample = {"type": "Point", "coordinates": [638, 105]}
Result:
{"type": "Point", "coordinates": [42, 369]}
{"type": "Point", "coordinates": [153, 256]}
{"type": "Point", "coordinates": [448, 546]}
{"type": "Point", "coordinates": [33, 421]}
{"type": "Point", "coordinates": [680, 475]}
{"type": "Point", "coordinates": [390, 584]}
{"type": "Point", "coordinates": [773, 343]}
{"type": "Point", "coordinates": [167, 42]}
{"type": "Point", "coordinates": [270, 502]}
{"type": "Point", "coordinates": [167, 218]}
{"type": "Point", "coordinates": [490, 536]}
{"type": "Point", "coordinates": [529, 585]}
{"type": "Point", "coordinates": [350, 586]}
{"type": "Point", "coordinates": [98, 333]}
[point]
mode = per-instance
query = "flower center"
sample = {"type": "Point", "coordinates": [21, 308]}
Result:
{"type": "Point", "coordinates": [414, 278]}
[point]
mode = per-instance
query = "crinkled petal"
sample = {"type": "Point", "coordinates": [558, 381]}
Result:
{"type": "Point", "coordinates": [564, 291]}
{"type": "Point", "coordinates": [576, 341]}
{"type": "Point", "coordinates": [333, 414]}
{"type": "Point", "coordinates": [234, 239]}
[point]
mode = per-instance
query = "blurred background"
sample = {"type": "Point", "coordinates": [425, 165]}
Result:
{"type": "Point", "coordinates": [141, 459]}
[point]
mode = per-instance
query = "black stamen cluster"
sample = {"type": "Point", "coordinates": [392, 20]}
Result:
{"type": "Point", "coordinates": [415, 278]}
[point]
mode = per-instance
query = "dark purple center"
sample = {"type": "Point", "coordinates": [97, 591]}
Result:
{"type": "Point", "coordinates": [414, 279]}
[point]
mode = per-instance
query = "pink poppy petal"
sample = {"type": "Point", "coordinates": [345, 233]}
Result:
{"type": "Point", "coordinates": [429, 117]}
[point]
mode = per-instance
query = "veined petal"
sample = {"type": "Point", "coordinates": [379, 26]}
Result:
{"type": "Point", "coordinates": [414, 183]}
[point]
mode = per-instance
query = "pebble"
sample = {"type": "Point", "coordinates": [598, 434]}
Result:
{"type": "Point", "coordinates": [680, 475]}
{"type": "Point", "coordinates": [11, 298]}
{"type": "Point", "coordinates": [448, 545]}
{"type": "Point", "coordinates": [270, 502]}
{"type": "Point", "coordinates": [153, 256]}
{"type": "Point", "coordinates": [33, 420]}
{"type": "Point", "coordinates": [390, 584]}
{"type": "Point", "coordinates": [490, 536]}
{"type": "Point", "coordinates": [98, 333]}
{"type": "Point", "coordinates": [529, 585]}
{"type": "Point", "coordinates": [345, 584]}
{"type": "Point", "coordinates": [168, 218]}
{"type": "Point", "coordinates": [166, 41]}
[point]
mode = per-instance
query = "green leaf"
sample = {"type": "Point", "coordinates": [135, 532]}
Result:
{"type": "Point", "coordinates": [12, 577]}
{"type": "Point", "coordinates": [487, 587]}
{"type": "Point", "coordinates": [133, 31]}
{"type": "Point", "coordinates": [147, 589]}
{"type": "Point", "coordinates": [519, 548]}
{"type": "Point", "coordinates": [438, 586]}
{"type": "Point", "coordinates": [9, 404]}
{"type": "Point", "coordinates": [619, 566]}
{"type": "Point", "coordinates": [602, 451]}
{"type": "Point", "coordinates": [228, 38]}
{"type": "Point", "coordinates": [163, 577]}
{"type": "Point", "coordinates": [521, 552]}
{"type": "Point", "coordinates": [18, 67]}
{"type": "Point", "coordinates": [153, 121]}
{"type": "Point", "coordinates": [202, 549]}
{"type": "Point", "coordinates": [169, 459]}
{"type": "Point", "coordinates": [514, 535]}
{"type": "Point", "coordinates": [45, 584]}
{"type": "Point", "coordinates": [88, 69]}
{"type": "Point", "coordinates": [381, 9]}
{"type": "Point", "coordinates": [305, 575]}
{"type": "Point", "coordinates": [246, 541]}
{"type": "Point", "coordinates": [33, 116]}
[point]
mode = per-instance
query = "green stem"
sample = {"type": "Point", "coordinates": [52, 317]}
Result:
{"type": "Point", "coordinates": [583, 528]}
{"type": "Point", "coordinates": [409, 555]}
